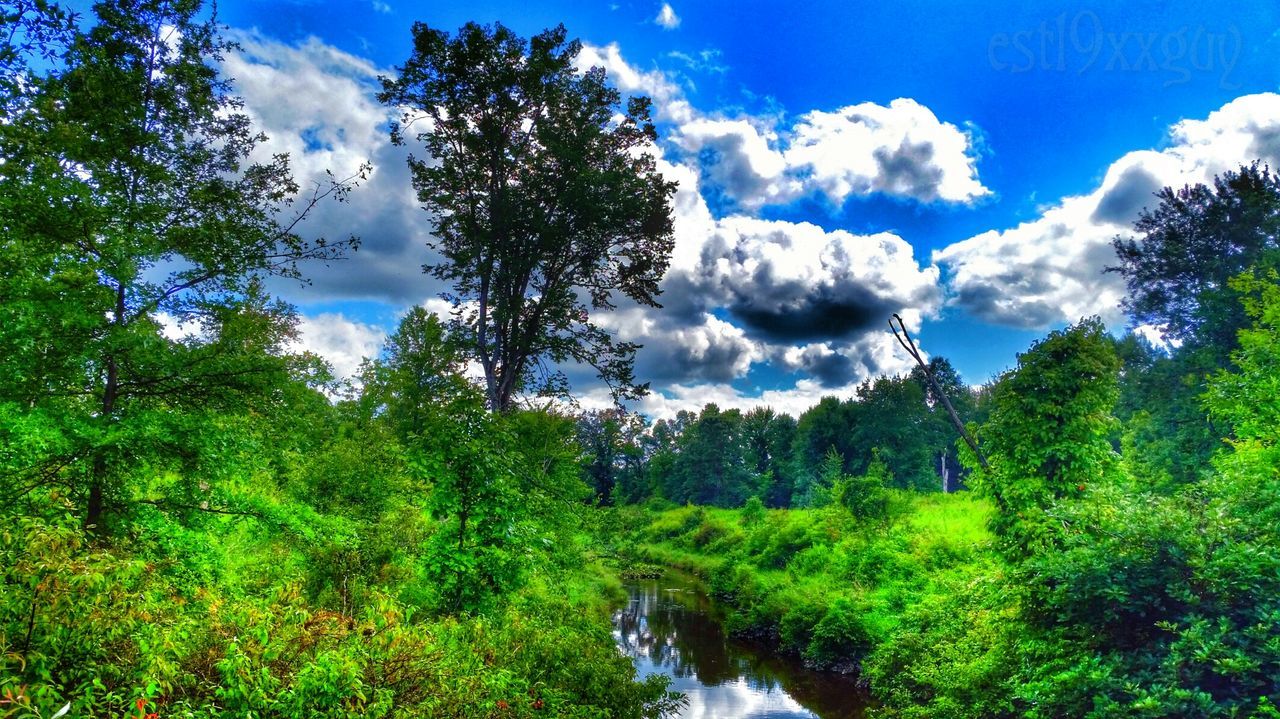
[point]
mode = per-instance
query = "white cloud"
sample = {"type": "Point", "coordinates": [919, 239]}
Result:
{"type": "Point", "coordinates": [741, 157]}
{"type": "Point", "coordinates": [667, 17]}
{"type": "Point", "coordinates": [1050, 269]}
{"type": "Point", "coordinates": [381, 7]}
{"type": "Point", "coordinates": [342, 342]}
{"type": "Point", "coordinates": [901, 150]}
{"type": "Point", "coordinates": [318, 104]}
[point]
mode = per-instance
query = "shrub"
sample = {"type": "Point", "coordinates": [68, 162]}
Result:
{"type": "Point", "coordinates": [839, 636]}
{"type": "Point", "coordinates": [753, 513]}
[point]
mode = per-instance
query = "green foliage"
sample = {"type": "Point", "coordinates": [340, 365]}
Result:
{"type": "Point", "coordinates": [1047, 436]}
{"type": "Point", "coordinates": [475, 553]}
{"type": "Point", "coordinates": [814, 489]}
{"type": "Point", "coordinates": [104, 631]}
{"type": "Point", "coordinates": [1169, 438]}
{"type": "Point", "coordinates": [839, 634]}
{"type": "Point", "coordinates": [1193, 243]}
{"type": "Point", "coordinates": [189, 528]}
{"type": "Point", "coordinates": [420, 368]}
{"type": "Point", "coordinates": [1247, 399]}
{"type": "Point", "coordinates": [824, 427]}
{"type": "Point", "coordinates": [1151, 600]}
{"type": "Point", "coordinates": [952, 656]}
{"type": "Point", "coordinates": [865, 497]}
{"type": "Point", "coordinates": [129, 203]}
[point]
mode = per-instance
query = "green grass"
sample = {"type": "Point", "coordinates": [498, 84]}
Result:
{"type": "Point", "coordinates": [825, 585]}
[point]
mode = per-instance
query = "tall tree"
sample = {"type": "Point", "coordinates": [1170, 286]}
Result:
{"type": "Point", "coordinates": [1193, 242]}
{"type": "Point", "coordinates": [545, 198]}
{"type": "Point", "coordinates": [712, 466]}
{"type": "Point", "coordinates": [612, 460]}
{"type": "Point", "coordinates": [827, 425]}
{"type": "Point", "coordinates": [661, 447]}
{"type": "Point", "coordinates": [1178, 271]}
{"type": "Point", "coordinates": [770, 440]}
{"type": "Point", "coordinates": [128, 204]}
{"type": "Point", "coordinates": [892, 423]}
{"type": "Point", "coordinates": [1048, 437]}
{"type": "Point", "coordinates": [421, 367]}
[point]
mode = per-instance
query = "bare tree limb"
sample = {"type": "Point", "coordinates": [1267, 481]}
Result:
{"type": "Point", "coordinates": [909, 345]}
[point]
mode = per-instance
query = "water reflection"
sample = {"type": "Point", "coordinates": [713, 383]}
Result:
{"type": "Point", "coordinates": [670, 627]}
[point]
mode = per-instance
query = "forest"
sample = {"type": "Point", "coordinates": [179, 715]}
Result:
{"type": "Point", "coordinates": [197, 520]}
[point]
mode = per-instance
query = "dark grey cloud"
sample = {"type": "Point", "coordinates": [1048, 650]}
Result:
{"type": "Point", "coordinates": [908, 170]}
{"type": "Point", "coordinates": [678, 348]}
{"type": "Point", "coordinates": [1133, 191]}
{"type": "Point", "coordinates": [832, 369]}
{"type": "Point", "coordinates": [991, 301]}
{"type": "Point", "coordinates": [1266, 146]}
{"type": "Point", "coordinates": [684, 299]}
{"type": "Point", "coordinates": [820, 314]}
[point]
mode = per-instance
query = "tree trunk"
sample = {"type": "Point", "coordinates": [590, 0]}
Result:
{"type": "Point", "coordinates": [110, 392]}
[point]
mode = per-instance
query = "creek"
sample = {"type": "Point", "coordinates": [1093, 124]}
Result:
{"type": "Point", "coordinates": [671, 626]}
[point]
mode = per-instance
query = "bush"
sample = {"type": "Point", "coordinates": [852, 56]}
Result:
{"type": "Point", "coordinates": [839, 637]}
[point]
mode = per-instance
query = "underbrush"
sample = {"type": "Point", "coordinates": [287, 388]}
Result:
{"type": "Point", "coordinates": [177, 624]}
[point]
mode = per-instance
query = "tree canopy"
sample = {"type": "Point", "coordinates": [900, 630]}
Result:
{"type": "Point", "coordinates": [545, 200]}
{"type": "Point", "coordinates": [137, 234]}
{"type": "Point", "coordinates": [1191, 244]}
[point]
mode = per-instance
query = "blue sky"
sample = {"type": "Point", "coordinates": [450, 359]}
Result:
{"type": "Point", "coordinates": [965, 164]}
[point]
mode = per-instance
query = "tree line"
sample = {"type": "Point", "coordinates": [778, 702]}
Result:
{"type": "Point", "coordinates": [725, 457]}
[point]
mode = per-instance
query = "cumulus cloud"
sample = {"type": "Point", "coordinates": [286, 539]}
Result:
{"type": "Point", "coordinates": [901, 149]}
{"type": "Point", "coordinates": [794, 282]}
{"type": "Point", "coordinates": [704, 348]}
{"type": "Point", "coordinates": [739, 157]}
{"type": "Point", "coordinates": [667, 17]}
{"type": "Point", "coordinates": [342, 342]}
{"type": "Point", "coordinates": [317, 104]}
{"type": "Point", "coordinates": [743, 291]}
{"type": "Point", "coordinates": [1050, 269]}
{"type": "Point", "coordinates": [837, 366]}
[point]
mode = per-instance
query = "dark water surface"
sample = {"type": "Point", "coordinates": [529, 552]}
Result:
{"type": "Point", "coordinates": [669, 626]}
